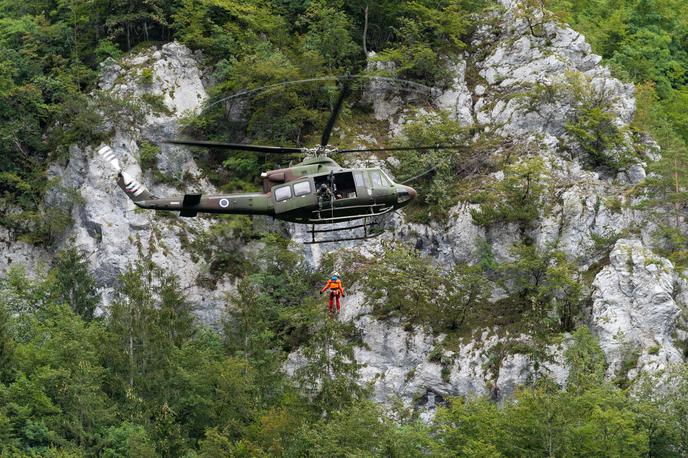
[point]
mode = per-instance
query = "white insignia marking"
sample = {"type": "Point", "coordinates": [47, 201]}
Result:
{"type": "Point", "coordinates": [224, 203]}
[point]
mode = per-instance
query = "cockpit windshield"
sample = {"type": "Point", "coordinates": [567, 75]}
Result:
{"type": "Point", "coordinates": [390, 182]}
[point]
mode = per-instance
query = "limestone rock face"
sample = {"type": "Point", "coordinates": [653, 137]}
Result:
{"type": "Point", "coordinates": [170, 73]}
{"type": "Point", "coordinates": [457, 100]}
{"type": "Point", "coordinates": [21, 254]}
{"type": "Point", "coordinates": [107, 224]}
{"type": "Point", "coordinates": [523, 58]}
{"type": "Point", "coordinates": [634, 313]}
{"type": "Point", "coordinates": [417, 368]}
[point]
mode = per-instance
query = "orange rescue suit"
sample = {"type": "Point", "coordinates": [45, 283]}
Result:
{"type": "Point", "coordinates": [334, 286]}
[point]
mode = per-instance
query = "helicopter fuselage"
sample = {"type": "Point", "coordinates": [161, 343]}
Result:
{"type": "Point", "coordinates": [297, 194]}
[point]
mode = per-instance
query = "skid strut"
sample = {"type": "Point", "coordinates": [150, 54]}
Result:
{"type": "Point", "coordinates": [366, 234]}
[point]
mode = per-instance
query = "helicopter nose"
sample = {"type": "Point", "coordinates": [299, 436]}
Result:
{"type": "Point", "coordinates": [405, 194]}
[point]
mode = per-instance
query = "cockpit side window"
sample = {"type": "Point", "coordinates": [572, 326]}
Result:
{"type": "Point", "coordinates": [378, 179]}
{"type": "Point", "coordinates": [282, 193]}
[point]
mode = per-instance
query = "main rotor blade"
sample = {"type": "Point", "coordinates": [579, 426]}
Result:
{"type": "Point", "coordinates": [335, 113]}
{"type": "Point", "coordinates": [400, 148]}
{"type": "Point", "coordinates": [236, 146]}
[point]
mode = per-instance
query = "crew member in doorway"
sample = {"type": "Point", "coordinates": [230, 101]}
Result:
{"type": "Point", "coordinates": [334, 284]}
{"type": "Point", "coordinates": [324, 195]}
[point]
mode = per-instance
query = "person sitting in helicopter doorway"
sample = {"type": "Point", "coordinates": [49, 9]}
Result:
{"type": "Point", "coordinates": [324, 194]}
{"type": "Point", "coordinates": [334, 284]}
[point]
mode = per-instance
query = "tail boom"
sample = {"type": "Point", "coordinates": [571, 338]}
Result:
{"type": "Point", "coordinates": [191, 204]}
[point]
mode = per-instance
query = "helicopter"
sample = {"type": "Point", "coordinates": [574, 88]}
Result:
{"type": "Point", "coordinates": [316, 191]}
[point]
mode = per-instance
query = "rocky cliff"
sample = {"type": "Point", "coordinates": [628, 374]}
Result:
{"type": "Point", "coordinates": [524, 77]}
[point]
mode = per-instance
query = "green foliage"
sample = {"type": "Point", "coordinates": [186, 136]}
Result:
{"type": "Point", "coordinates": [426, 35]}
{"type": "Point", "coordinates": [156, 103]}
{"type": "Point", "coordinates": [544, 286]}
{"type": "Point", "coordinates": [228, 28]}
{"type": "Point", "coordinates": [643, 40]}
{"type": "Point", "coordinates": [359, 430]}
{"type": "Point", "coordinates": [592, 125]}
{"type": "Point", "coordinates": [330, 377]}
{"type": "Point", "coordinates": [436, 188]}
{"type": "Point", "coordinates": [73, 284]}
{"type": "Point", "coordinates": [404, 283]}
{"type": "Point", "coordinates": [672, 243]}
{"type": "Point", "coordinates": [667, 185]}
{"type": "Point", "coordinates": [146, 76]}
{"type": "Point", "coordinates": [50, 55]}
{"type": "Point", "coordinates": [220, 247]}
{"type": "Point", "coordinates": [149, 381]}
{"type": "Point", "coordinates": [6, 344]}
{"type": "Point", "coordinates": [585, 360]}
{"type": "Point", "coordinates": [544, 292]}
{"type": "Point", "coordinates": [128, 439]}
{"type": "Point", "coordinates": [148, 155]}
{"type": "Point", "coordinates": [328, 32]}
{"type": "Point", "coordinates": [517, 198]}
{"type": "Point", "coordinates": [543, 421]}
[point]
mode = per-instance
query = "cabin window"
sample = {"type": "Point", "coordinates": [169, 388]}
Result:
{"type": "Point", "coordinates": [302, 188]}
{"type": "Point", "coordinates": [282, 193]}
{"type": "Point", "coordinates": [358, 179]}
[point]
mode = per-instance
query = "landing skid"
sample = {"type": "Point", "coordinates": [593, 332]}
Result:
{"type": "Point", "coordinates": [366, 233]}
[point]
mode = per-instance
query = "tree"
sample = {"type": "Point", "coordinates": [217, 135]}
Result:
{"type": "Point", "coordinates": [466, 290]}
{"type": "Point", "coordinates": [592, 124]}
{"type": "Point", "coordinates": [7, 345]}
{"type": "Point", "coordinates": [425, 36]}
{"type": "Point", "coordinates": [329, 377]}
{"type": "Point", "coordinates": [403, 282]}
{"type": "Point", "coordinates": [467, 427]}
{"type": "Point", "coordinates": [60, 390]}
{"type": "Point", "coordinates": [74, 284]}
{"type": "Point", "coordinates": [544, 285]}
{"type": "Point", "coordinates": [585, 360]}
{"type": "Point", "coordinates": [328, 34]}
{"type": "Point", "coordinates": [361, 429]}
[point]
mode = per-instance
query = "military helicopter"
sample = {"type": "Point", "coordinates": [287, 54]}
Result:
{"type": "Point", "coordinates": [316, 191]}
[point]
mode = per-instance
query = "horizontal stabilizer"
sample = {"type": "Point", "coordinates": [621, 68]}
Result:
{"type": "Point", "coordinates": [188, 213]}
{"type": "Point", "coordinates": [191, 199]}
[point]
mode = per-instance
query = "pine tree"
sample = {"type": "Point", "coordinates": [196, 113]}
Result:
{"type": "Point", "coordinates": [7, 345]}
{"type": "Point", "coordinates": [74, 284]}
{"type": "Point", "coordinates": [330, 376]}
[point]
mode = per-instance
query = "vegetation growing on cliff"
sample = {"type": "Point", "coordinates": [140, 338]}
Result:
{"type": "Point", "coordinates": [147, 380]}
{"type": "Point", "coordinates": [644, 41]}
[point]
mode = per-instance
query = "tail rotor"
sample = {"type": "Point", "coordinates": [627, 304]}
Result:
{"type": "Point", "coordinates": [106, 153]}
{"type": "Point", "coordinates": [135, 190]}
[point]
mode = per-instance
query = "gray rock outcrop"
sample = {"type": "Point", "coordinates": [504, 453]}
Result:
{"type": "Point", "coordinates": [634, 313]}
{"type": "Point", "coordinates": [107, 225]}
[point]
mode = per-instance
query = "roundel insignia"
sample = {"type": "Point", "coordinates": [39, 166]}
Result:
{"type": "Point", "coordinates": [224, 203]}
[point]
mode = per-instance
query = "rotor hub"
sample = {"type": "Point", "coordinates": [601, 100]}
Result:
{"type": "Point", "coordinates": [320, 150]}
